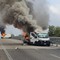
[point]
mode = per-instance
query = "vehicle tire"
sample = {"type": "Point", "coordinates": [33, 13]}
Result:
{"type": "Point", "coordinates": [36, 43]}
{"type": "Point", "coordinates": [1, 37]}
{"type": "Point", "coordinates": [31, 43]}
{"type": "Point", "coordinates": [10, 37]}
{"type": "Point", "coordinates": [48, 43]}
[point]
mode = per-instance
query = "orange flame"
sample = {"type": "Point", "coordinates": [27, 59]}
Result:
{"type": "Point", "coordinates": [3, 34]}
{"type": "Point", "coordinates": [26, 35]}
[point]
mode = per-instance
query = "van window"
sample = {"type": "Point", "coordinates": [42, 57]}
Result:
{"type": "Point", "coordinates": [34, 35]}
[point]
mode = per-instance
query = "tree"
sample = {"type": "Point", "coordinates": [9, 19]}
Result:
{"type": "Point", "coordinates": [51, 30]}
{"type": "Point", "coordinates": [54, 31]}
{"type": "Point", "coordinates": [57, 32]}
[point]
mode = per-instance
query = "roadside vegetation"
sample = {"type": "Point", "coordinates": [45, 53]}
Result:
{"type": "Point", "coordinates": [54, 31]}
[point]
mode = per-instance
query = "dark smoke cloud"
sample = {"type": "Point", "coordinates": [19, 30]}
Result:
{"type": "Point", "coordinates": [18, 15]}
{"type": "Point", "coordinates": [39, 10]}
{"type": "Point", "coordinates": [24, 14]}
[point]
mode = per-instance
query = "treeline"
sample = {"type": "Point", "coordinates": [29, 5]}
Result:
{"type": "Point", "coordinates": [54, 31]}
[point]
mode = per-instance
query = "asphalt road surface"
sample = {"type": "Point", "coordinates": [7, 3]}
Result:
{"type": "Point", "coordinates": [8, 51]}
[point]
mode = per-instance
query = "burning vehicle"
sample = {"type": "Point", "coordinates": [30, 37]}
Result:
{"type": "Point", "coordinates": [27, 15]}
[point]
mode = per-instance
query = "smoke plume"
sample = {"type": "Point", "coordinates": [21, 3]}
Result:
{"type": "Point", "coordinates": [24, 14]}
{"type": "Point", "coordinates": [39, 10]}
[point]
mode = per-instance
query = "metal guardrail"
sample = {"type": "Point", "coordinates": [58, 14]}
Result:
{"type": "Point", "coordinates": [55, 40]}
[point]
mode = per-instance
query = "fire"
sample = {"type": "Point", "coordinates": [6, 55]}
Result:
{"type": "Point", "coordinates": [25, 35]}
{"type": "Point", "coordinates": [3, 35]}
{"type": "Point", "coordinates": [24, 14]}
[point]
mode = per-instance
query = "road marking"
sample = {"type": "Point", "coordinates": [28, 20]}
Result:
{"type": "Point", "coordinates": [6, 52]}
{"type": "Point", "coordinates": [55, 56]}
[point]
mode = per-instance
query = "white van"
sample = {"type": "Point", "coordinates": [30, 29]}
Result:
{"type": "Point", "coordinates": [40, 38]}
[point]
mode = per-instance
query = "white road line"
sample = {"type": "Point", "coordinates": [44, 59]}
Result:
{"type": "Point", "coordinates": [55, 56]}
{"type": "Point", "coordinates": [6, 52]}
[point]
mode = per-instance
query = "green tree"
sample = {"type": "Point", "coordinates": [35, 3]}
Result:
{"type": "Point", "coordinates": [51, 30]}
{"type": "Point", "coordinates": [57, 32]}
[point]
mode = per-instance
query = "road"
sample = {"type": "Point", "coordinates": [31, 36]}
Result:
{"type": "Point", "coordinates": [8, 51]}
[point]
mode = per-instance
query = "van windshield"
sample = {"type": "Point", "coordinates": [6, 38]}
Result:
{"type": "Point", "coordinates": [42, 35]}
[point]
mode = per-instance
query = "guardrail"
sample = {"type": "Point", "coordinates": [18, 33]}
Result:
{"type": "Point", "coordinates": [55, 40]}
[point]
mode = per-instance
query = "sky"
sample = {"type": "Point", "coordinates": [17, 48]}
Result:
{"type": "Point", "coordinates": [54, 17]}
{"type": "Point", "coordinates": [11, 30]}
{"type": "Point", "coordinates": [54, 12]}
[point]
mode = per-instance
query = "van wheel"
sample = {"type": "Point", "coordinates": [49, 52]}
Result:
{"type": "Point", "coordinates": [31, 43]}
{"type": "Point", "coordinates": [48, 44]}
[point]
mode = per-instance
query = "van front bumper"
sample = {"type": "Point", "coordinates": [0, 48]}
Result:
{"type": "Point", "coordinates": [42, 42]}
